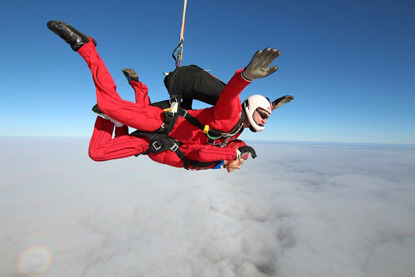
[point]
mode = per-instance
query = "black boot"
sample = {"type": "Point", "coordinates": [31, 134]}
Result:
{"type": "Point", "coordinates": [130, 74]}
{"type": "Point", "coordinates": [69, 34]}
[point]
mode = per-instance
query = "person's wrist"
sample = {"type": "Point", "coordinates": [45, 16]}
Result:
{"type": "Point", "coordinates": [245, 77]}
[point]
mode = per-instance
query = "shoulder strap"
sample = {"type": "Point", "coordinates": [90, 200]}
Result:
{"type": "Point", "coordinates": [211, 133]}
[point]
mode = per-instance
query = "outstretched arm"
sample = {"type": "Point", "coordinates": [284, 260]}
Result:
{"type": "Point", "coordinates": [228, 107]}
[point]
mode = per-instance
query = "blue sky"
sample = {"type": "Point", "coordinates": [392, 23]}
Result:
{"type": "Point", "coordinates": [348, 63]}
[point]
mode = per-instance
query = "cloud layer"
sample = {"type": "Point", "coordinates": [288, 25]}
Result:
{"type": "Point", "coordinates": [296, 210]}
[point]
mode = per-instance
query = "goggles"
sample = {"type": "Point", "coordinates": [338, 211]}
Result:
{"type": "Point", "coordinates": [262, 114]}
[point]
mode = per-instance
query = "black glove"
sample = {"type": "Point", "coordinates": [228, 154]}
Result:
{"type": "Point", "coordinates": [242, 151]}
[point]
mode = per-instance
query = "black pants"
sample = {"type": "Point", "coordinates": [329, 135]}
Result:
{"type": "Point", "coordinates": [191, 82]}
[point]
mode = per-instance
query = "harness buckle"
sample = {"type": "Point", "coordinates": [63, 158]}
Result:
{"type": "Point", "coordinates": [174, 105]}
{"type": "Point", "coordinates": [174, 147]}
{"type": "Point", "coordinates": [156, 145]}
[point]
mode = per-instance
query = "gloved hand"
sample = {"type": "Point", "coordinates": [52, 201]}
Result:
{"type": "Point", "coordinates": [258, 67]}
{"type": "Point", "coordinates": [281, 101]}
{"type": "Point", "coordinates": [243, 150]}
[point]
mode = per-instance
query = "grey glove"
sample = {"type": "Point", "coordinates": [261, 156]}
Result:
{"type": "Point", "coordinates": [258, 67]}
{"type": "Point", "coordinates": [281, 101]}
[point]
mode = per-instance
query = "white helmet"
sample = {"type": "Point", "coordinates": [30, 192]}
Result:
{"type": "Point", "coordinates": [250, 105]}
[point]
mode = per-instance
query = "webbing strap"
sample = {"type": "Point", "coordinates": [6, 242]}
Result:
{"type": "Point", "coordinates": [211, 133]}
{"type": "Point", "coordinates": [183, 20]}
{"type": "Point", "coordinates": [179, 47]}
{"type": "Point", "coordinates": [160, 142]}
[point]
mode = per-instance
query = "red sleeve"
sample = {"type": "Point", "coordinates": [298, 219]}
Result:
{"type": "Point", "coordinates": [167, 157]}
{"type": "Point", "coordinates": [201, 153]}
{"type": "Point", "coordinates": [228, 108]}
{"type": "Point", "coordinates": [209, 153]}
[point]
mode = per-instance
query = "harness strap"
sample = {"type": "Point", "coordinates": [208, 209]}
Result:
{"type": "Point", "coordinates": [160, 142]}
{"type": "Point", "coordinates": [211, 133]}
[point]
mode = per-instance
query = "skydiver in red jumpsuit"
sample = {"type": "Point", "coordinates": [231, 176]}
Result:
{"type": "Point", "coordinates": [226, 113]}
{"type": "Point", "coordinates": [104, 147]}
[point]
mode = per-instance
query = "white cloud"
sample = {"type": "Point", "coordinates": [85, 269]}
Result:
{"type": "Point", "coordinates": [297, 210]}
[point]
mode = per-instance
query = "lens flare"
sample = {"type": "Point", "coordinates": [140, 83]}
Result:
{"type": "Point", "coordinates": [34, 260]}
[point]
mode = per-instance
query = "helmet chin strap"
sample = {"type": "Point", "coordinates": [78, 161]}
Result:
{"type": "Point", "coordinates": [252, 129]}
{"type": "Point", "coordinates": [243, 116]}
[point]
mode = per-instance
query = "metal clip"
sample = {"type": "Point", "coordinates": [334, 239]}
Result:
{"type": "Point", "coordinates": [156, 146]}
{"type": "Point", "coordinates": [174, 147]}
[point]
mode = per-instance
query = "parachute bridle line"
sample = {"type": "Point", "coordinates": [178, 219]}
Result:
{"type": "Point", "coordinates": [179, 47]}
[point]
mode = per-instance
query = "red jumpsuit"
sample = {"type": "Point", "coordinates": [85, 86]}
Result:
{"type": "Point", "coordinates": [103, 147]}
{"type": "Point", "coordinates": [223, 116]}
